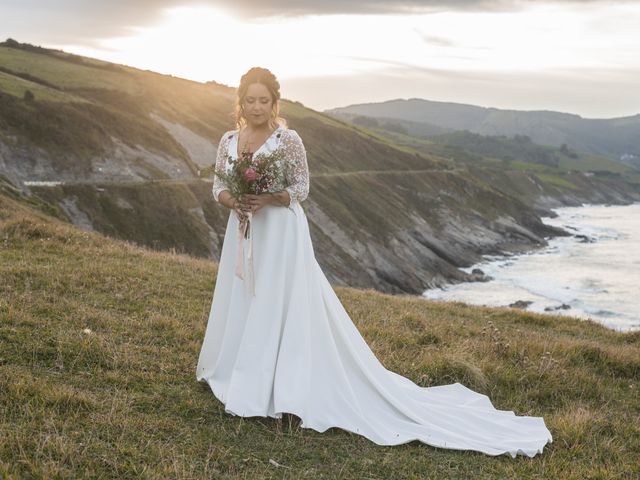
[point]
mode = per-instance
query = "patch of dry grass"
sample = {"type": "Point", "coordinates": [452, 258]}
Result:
{"type": "Point", "coordinates": [99, 341]}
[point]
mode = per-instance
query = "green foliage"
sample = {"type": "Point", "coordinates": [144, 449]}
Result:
{"type": "Point", "coordinates": [63, 72]}
{"type": "Point", "coordinates": [68, 129]}
{"type": "Point", "coordinates": [606, 137]}
{"type": "Point", "coordinates": [557, 180]}
{"type": "Point", "coordinates": [566, 151]}
{"type": "Point", "coordinates": [500, 146]}
{"type": "Point", "coordinates": [368, 122]}
{"type": "Point", "coordinates": [59, 54]}
{"type": "Point", "coordinates": [16, 85]}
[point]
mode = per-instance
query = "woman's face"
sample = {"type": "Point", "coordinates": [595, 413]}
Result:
{"type": "Point", "coordinates": [257, 105]}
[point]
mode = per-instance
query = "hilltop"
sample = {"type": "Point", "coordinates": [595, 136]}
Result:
{"type": "Point", "coordinates": [98, 347]}
{"type": "Point", "coordinates": [614, 138]}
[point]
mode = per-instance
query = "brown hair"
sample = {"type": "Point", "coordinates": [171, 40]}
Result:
{"type": "Point", "coordinates": [269, 80]}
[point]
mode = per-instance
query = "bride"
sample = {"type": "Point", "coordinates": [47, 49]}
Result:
{"type": "Point", "coordinates": [279, 340]}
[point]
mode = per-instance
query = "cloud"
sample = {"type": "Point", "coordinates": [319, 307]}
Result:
{"type": "Point", "coordinates": [392, 68]}
{"type": "Point", "coordinates": [82, 23]}
{"type": "Point", "coordinates": [252, 8]}
{"type": "Point", "coordinates": [365, 7]}
{"type": "Point", "coordinates": [77, 22]}
{"type": "Point", "coordinates": [437, 41]}
{"type": "Point", "coordinates": [570, 91]}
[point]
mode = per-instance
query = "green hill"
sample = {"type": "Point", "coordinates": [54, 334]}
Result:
{"type": "Point", "coordinates": [121, 150]}
{"type": "Point", "coordinates": [542, 175]}
{"type": "Point", "coordinates": [614, 138]}
{"type": "Point", "coordinates": [99, 341]}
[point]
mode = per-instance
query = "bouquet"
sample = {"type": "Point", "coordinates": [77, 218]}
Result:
{"type": "Point", "coordinates": [253, 174]}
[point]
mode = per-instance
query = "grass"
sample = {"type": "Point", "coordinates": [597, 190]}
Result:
{"type": "Point", "coordinates": [298, 111]}
{"type": "Point", "coordinates": [587, 162]}
{"type": "Point", "coordinates": [584, 163]}
{"type": "Point", "coordinates": [16, 86]}
{"type": "Point", "coordinates": [557, 180]}
{"type": "Point", "coordinates": [120, 400]}
{"type": "Point", "coordinates": [536, 167]}
{"type": "Point", "coordinates": [291, 108]}
{"type": "Point", "coordinates": [66, 75]}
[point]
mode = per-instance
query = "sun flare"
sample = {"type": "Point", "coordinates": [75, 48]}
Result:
{"type": "Point", "coordinates": [422, 54]}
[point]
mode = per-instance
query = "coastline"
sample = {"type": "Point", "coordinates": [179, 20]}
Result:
{"type": "Point", "coordinates": [543, 294]}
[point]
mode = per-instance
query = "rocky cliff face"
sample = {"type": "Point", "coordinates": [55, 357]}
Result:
{"type": "Point", "coordinates": [398, 231]}
{"type": "Point", "coordinates": [400, 235]}
{"type": "Point", "coordinates": [402, 246]}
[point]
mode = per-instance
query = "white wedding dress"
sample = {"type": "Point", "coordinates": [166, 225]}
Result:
{"type": "Point", "coordinates": [289, 345]}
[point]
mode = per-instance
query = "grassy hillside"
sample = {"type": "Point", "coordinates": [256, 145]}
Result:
{"type": "Point", "coordinates": [515, 164]}
{"type": "Point", "coordinates": [127, 146]}
{"type": "Point", "coordinates": [118, 102]}
{"type": "Point", "coordinates": [99, 341]}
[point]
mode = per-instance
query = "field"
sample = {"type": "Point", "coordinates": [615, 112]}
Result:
{"type": "Point", "coordinates": [99, 341]}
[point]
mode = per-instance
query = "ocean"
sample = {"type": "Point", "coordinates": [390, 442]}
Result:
{"type": "Point", "coordinates": [593, 274]}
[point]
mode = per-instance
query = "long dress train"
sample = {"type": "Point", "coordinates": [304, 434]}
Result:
{"type": "Point", "coordinates": [291, 347]}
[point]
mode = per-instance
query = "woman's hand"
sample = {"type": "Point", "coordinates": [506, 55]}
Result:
{"type": "Point", "coordinates": [240, 208]}
{"type": "Point", "coordinates": [256, 202]}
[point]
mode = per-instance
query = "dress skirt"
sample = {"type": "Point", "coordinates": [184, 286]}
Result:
{"type": "Point", "coordinates": [292, 347]}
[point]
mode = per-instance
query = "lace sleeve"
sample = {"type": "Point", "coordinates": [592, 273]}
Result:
{"type": "Point", "coordinates": [218, 184]}
{"type": "Point", "coordinates": [297, 173]}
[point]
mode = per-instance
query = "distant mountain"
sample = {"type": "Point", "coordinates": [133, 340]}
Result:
{"type": "Point", "coordinates": [617, 138]}
{"type": "Point", "coordinates": [120, 150]}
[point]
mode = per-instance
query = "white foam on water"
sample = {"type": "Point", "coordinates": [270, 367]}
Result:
{"type": "Point", "coordinates": [598, 279]}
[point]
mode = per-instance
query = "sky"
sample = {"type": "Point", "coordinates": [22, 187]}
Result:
{"type": "Point", "coordinates": [574, 56]}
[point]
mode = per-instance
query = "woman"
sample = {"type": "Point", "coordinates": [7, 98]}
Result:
{"type": "Point", "coordinates": [279, 340]}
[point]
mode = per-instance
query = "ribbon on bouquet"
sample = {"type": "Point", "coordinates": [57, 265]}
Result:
{"type": "Point", "coordinates": [244, 231]}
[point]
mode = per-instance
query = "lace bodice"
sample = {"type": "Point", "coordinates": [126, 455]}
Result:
{"type": "Point", "coordinates": [296, 172]}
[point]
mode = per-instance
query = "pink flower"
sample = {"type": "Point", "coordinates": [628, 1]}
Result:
{"type": "Point", "coordinates": [250, 175]}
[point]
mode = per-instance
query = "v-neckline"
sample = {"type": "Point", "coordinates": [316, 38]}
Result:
{"type": "Point", "coordinates": [237, 145]}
